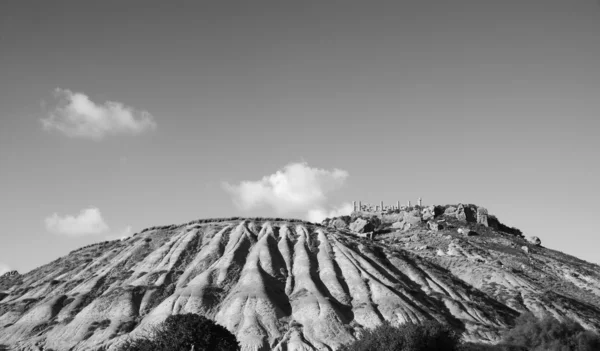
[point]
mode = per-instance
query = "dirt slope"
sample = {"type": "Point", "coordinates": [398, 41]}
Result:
{"type": "Point", "coordinates": [292, 285]}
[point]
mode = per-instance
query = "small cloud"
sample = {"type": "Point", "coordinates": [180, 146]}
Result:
{"type": "Point", "coordinates": [317, 215]}
{"type": "Point", "coordinates": [76, 116]}
{"type": "Point", "coordinates": [295, 188]}
{"type": "Point", "coordinates": [123, 234]}
{"type": "Point", "coordinates": [88, 222]}
{"type": "Point", "coordinates": [4, 268]}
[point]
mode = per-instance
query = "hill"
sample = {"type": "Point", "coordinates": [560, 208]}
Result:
{"type": "Point", "coordinates": [294, 285]}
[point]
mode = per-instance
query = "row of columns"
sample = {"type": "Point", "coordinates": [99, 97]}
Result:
{"type": "Point", "coordinates": [380, 208]}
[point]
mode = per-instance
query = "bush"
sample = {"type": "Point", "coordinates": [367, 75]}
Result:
{"type": "Point", "coordinates": [550, 334]}
{"type": "Point", "coordinates": [182, 332]}
{"type": "Point", "coordinates": [428, 336]}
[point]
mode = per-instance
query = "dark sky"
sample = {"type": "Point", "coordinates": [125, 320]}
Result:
{"type": "Point", "coordinates": [487, 102]}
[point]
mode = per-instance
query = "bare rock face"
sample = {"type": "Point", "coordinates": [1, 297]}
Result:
{"type": "Point", "coordinates": [288, 285]}
{"type": "Point", "coordinates": [534, 240]}
{"type": "Point", "coordinates": [362, 225]}
{"type": "Point", "coordinates": [460, 213]}
{"type": "Point", "coordinates": [450, 211]}
{"type": "Point", "coordinates": [398, 225]}
{"type": "Point", "coordinates": [482, 216]}
{"type": "Point", "coordinates": [11, 274]}
{"type": "Point", "coordinates": [428, 213]}
{"type": "Point", "coordinates": [434, 226]}
{"type": "Point", "coordinates": [465, 213]}
{"type": "Point", "coordinates": [414, 217]}
{"type": "Point", "coordinates": [339, 222]}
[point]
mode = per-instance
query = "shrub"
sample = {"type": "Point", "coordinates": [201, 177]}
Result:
{"type": "Point", "coordinates": [428, 336]}
{"type": "Point", "coordinates": [550, 334]}
{"type": "Point", "coordinates": [182, 332]}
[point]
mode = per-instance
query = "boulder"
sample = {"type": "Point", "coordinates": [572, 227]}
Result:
{"type": "Point", "coordinates": [413, 217]}
{"type": "Point", "coordinates": [433, 226]}
{"type": "Point", "coordinates": [398, 225]}
{"type": "Point", "coordinates": [453, 250]}
{"type": "Point", "coordinates": [440, 252]}
{"type": "Point", "coordinates": [339, 223]}
{"type": "Point", "coordinates": [393, 217]}
{"type": "Point", "coordinates": [450, 211]}
{"type": "Point", "coordinates": [428, 213]}
{"type": "Point", "coordinates": [482, 216]}
{"type": "Point", "coordinates": [460, 213]}
{"type": "Point", "coordinates": [534, 240]}
{"type": "Point", "coordinates": [361, 226]}
{"type": "Point", "coordinates": [525, 248]}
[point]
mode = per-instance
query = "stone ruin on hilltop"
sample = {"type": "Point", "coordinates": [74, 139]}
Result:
{"type": "Point", "coordinates": [367, 219]}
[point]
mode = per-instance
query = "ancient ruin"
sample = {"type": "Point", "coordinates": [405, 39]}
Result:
{"type": "Point", "coordinates": [358, 206]}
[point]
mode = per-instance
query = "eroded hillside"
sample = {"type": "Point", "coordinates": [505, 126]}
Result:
{"type": "Point", "coordinates": [292, 285]}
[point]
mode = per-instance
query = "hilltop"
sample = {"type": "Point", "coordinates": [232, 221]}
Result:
{"type": "Point", "coordinates": [294, 285]}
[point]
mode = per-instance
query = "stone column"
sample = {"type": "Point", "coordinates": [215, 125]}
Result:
{"type": "Point", "coordinates": [354, 206]}
{"type": "Point", "coordinates": [359, 205]}
{"type": "Point", "coordinates": [398, 204]}
{"type": "Point", "coordinates": [408, 203]}
{"type": "Point", "coordinates": [419, 202]}
{"type": "Point", "coordinates": [381, 205]}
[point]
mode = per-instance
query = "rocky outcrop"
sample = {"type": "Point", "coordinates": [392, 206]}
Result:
{"type": "Point", "coordinates": [434, 226]}
{"type": "Point", "coordinates": [11, 274]}
{"type": "Point", "coordinates": [413, 217]}
{"type": "Point", "coordinates": [466, 213]}
{"type": "Point", "coordinates": [450, 211]}
{"type": "Point", "coordinates": [482, 216]}
{"type": "Point", "coordinates": [534, 240]}
{"type": "Point", "coordinates": [428, 213]}
{"type": "Point", "coordinates": [364, 225]}
{"type": "Point", "coordinates": [398, 225]}
{"type": "Point", "coordinates": [467, 232]}
{"type": "Point", "coordinates": [403, 226]}
{"type": "Point", "coordinates": [460, 213]}
{"type": "Point", "coordinates": [339, 222]}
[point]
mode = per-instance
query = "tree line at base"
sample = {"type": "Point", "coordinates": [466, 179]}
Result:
{"type": "Point", "coordinates": [191, 332]}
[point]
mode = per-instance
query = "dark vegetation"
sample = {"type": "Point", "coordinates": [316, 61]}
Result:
{"type": "Point", "coordinates": [546, 334]}
{"type": "Point", "coordinates": [528, 334]}
{"type": "Point", "coordinates": [184, 332]}
{"type": "Point", "coordinates": [428, 336]}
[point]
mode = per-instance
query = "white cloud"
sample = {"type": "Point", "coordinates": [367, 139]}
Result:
{"type": "Point", "coordinates": [4, 268]}
{"type": "Point", "coordinates": [317, 215]}
{"type": "Point", "coordinates": [75, 115]}
{"type": "Point", "coordinates": [295, 188]}
{"type": "Point", "coordinates": [123, 234]}
{"type": "Point", "coordinates": [88, 222]}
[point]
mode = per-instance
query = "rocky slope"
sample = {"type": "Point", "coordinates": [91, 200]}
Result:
{"type": "Point", "coordinates": [292, 285]}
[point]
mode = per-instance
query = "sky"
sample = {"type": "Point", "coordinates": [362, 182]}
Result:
{"type": "Point", "coordinates": [118, 116]}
